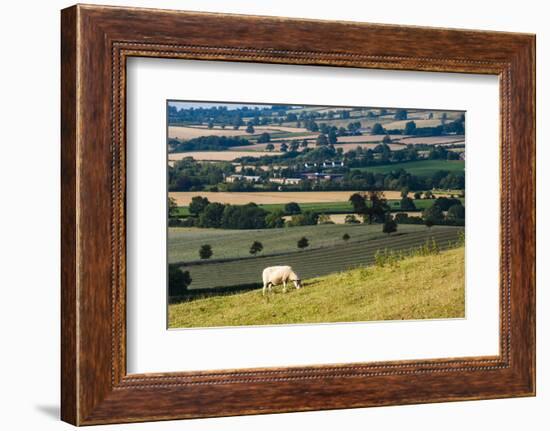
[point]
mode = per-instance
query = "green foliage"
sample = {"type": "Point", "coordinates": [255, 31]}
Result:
{"type": "Point", "coordinates": [172, 207]}
{"type": "Point", "coordinates": [270, 147]}
{"type": "Point", "coordinates": [198, 204]}
{"type": "Point", "coordinates": [456, 212]}
{"type": "Point", "coordinates": [389, 226]}
{"type": "Point", "coordinates": [303, 243]}
{"type": "Point", "coordinates": [410, 128]}
{"type": "Point", "coordinates": [377, 129]}
{"type": "Point", "coordinates": [292, 208]}
{"type": "Point", "coordinates": [275, 219]}
{"type": "Point", "coordinates": [264, 138]}
{"type": "Point", "coordinates": [250, 128]}
{"type": "Point", "coordinates": [324, 219]}
{"type": "Point", "coordinates": [211, 215]}
{"type": "Point", "coordinates": [249, 216]}
{"type": "Point", "coordinates": [178, 281]}
{"type": "Point", "coordinates": [400, 114]}
{"type": "Point", "coordinates": [407, 204]}
{"type": "Point", "coordinates": [306, 218]}
{"type": "Point", "coordinates": [351, 219]}
{"type": "Point", "coordinates": [346, 237]}
{"type": "Point", "coordinates": [207, 143]}
{"type": "Point", "coordinates": [256, 247]}
{"type": "Point", "coordinates": [432, 215]}
{"type": "Point", "coordinates": [205, 252]}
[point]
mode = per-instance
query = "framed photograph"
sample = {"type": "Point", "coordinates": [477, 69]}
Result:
{"type": "Point", "coordinates": [260, 217]}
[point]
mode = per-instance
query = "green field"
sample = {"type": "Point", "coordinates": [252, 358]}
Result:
{"type": "Point", "coordinates": [184, 243]}
{"type": "Point", "coordinates": [421, 287]}
{"type": "Point", "coordinates": [334, 256]}
{"type": "Point", "coordinates": [420, 167]}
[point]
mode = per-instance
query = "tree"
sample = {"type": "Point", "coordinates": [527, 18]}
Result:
{"type": "Point", "coordinates": [211, 215]}
{"type": "Point", "coordinates": [443, 117]}
{"type": "Point", "coordinates": [172, 207]}
{"type": "Point", "coordinates": [264, 138]}
{"type": "Point", "coordinates": [275, 219]}
{"type": "Point", "coordinates": [432, 215]}
{"type": "Point", "coordinates": [303, 243]}
{"type": "Point", "coordinates": [250, 128]}
{"type": "Point", "coordinates": [345, 237]}
{"type": "Point", "coordinates": [292, 208]}
{"type": "Point", "coordinates": [284, 147]}
{"type": "Point", "coordinates": [307, 218]}
{"type": "Point", "coordinates": [410, 128]}
{"type": "Point", "coordinates": [400, 114]}
{"type": "Point", "coordinates": [456, 212]}
{"type": "Point", "coordinates": [377, 129]}
{"type": "Point", "coordinates": [270, 147]}
{"type": "Point", "coordinates": [294, 145]}
{"type": "Point", "coordinates": [205, 252]}
{"type": "Point", "coordinates": [386, 139]}
{"type": "Point", "coordinates": [407, 204]}
{"type": "Point", "coordinates": [210, 125]}
{"type": "Point", "coordinates": [417, 195]}
{"type": "Point", "coordinates": [256, 247]}
{"type": "Point", "coordinates": [404, 192]}
{"type": "Point", "coordinates": [322, 140]}
{"type": "Point", "coordinates": [198, 204]}
{"type": "Point", "coordinates": [304, 143]}
{"type": "Point", "coordinates": [178, 281]}
{"type": "Point", "coordinates": [373, 206]}
{"type": "Point", "coordinates": [389, 225]}
{"type": "Point", "coordinates": [332, 138]}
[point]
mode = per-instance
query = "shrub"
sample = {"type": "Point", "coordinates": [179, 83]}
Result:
{"type": "Point", "coordinates": [303, 242]}
{"type": "Point", "coordinates": [178, 281]}
{"type": "Point", "coordinates": [205, 252]}
{"type": "Point", "coordinates": [256, 247]}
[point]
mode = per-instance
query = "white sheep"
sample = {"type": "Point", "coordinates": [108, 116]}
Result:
{"type": "Point", "coordinates": [273, 275]}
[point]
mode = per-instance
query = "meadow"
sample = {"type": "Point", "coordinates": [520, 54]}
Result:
{"type": "Point", "coordinates": [420, 167]}
{"type": "Point", "coordinates": [418, 287]}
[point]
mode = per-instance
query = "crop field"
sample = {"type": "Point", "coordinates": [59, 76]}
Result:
{"type": "Point", "coordinates": [421, 167]}
{"type": "Point", "coordinates": [404, 291]}
{"type": "Point", "coordinates": [366, 146]}
{"type": "Point", "coordinates": [433, 140]}
{"type": "Point", "coordinates": [183, 243]}
{"type": "Point", "coordinates": [365, 138]}
{"type": "Point", "coordinates": [241, 198]}
{"type": "Point", "coordinates": [190, 132]}
{"type": "Point", "coordinates": [219, 156]}
{"type": "Point", "coordinates": [317, 261]}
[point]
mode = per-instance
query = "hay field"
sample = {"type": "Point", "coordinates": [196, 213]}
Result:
{"type": "Point", "coordinates": [350, 147]}
{"type": "Point", "coordinates": [185, 133]}
{"type": "Point", "coordinates": [241, 198]}
{"type": "Point", "coordinates": [222, 156]}
{"type": "Point", "coordinates": [433, 140]}
{"type": "Point", "coordinates": [366, 138]}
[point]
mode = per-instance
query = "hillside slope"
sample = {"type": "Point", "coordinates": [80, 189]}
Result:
{"type": "Point", "coordinates": [421, 287]}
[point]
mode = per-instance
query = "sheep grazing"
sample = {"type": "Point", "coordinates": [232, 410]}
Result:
{"type": "Point", "coordinates": [274, 275]}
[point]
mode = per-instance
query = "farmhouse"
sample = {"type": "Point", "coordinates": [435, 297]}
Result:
{"type": "Point", "coordinates": [286, 181]}
{"type": "Point", "coordinates": [317, 176]}
{"type": "Point", "coordinates": [247, 178]}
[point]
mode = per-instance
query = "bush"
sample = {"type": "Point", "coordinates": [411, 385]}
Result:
{"type": "Point", "coordinates": [205, 252]}
{"type": "Point", "coordinates": [351, 219]}
{"type": "Point", "coordinates": [256, 247]}
{"type": "Point", "coordinates": [292, 208]}
{"type": "Point", "coordinates": [345, 237]}
{"type": "Point", "coordinates": [178, 281]}
{"type": "Point", "coordinates": [307, 218]}
{"type": "Point", "coordinates": [303, 243]}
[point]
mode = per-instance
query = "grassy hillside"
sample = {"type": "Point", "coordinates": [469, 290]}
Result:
{"type": "Point", "coordinates": [422, 287]}
{"type": "Point", "coordinates": [184, 243]}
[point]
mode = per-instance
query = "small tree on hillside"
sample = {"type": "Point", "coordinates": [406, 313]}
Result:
{"type": "Point", "coordinates": [178, 281]}
{"type": "Point", "coordinates": [198, 204]}
{"type": "Point", "coordinates": [303, 242]}
{"type": "Point", "coordinates": [256, 247]}
{"type": "Point", "coordinates": [250, 128]}
{"type": "Point", "coordinates": [284, 147]}
{"type": "Point", "coordinates": [270, 147]}
{"type": "Point", "coordinates": [345, 237]}
{"type": "Point", "coordinates": [205, 252]}
{"type": "Point", "coordinates": [389, 225]}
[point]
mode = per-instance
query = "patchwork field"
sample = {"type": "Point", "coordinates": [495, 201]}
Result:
{"type": "Point", "coordinates": [433, 140]}
{"type": "Point", "coordinates": [314, 262]}
{"type": "Point", "coordinates": [240, 198]}
{"type": "Point", "coordinates": [403, 291]}
{"type": "Point", "coordinates": [222, 156]}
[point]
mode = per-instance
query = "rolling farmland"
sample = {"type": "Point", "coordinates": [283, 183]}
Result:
{"type": "Point", "coordinates": [402, 292]}
{"type": "Point", "coordinates": [316, 262]}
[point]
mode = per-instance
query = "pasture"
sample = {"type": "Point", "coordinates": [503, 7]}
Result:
{"type": "Point", "coordinates": [420, 287]}
{"type": "Point", "coordinates": [420, 167]}
{"type": "Point", "coordinates": [313, 262]}
{"type": "Point", "coordinates": [183, 243]}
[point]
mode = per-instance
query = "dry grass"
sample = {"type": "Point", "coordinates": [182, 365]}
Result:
{"type": "Point", "coordinates": [223, 156]}
{"type": "Point", "coordinates": [421, 287]}
{"type": "Point", "coordinates": [240, 198]}
{"type": "Point", "coordinates": [184, 133]}
{"type": "Point", "coordinates": [433, 140]}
